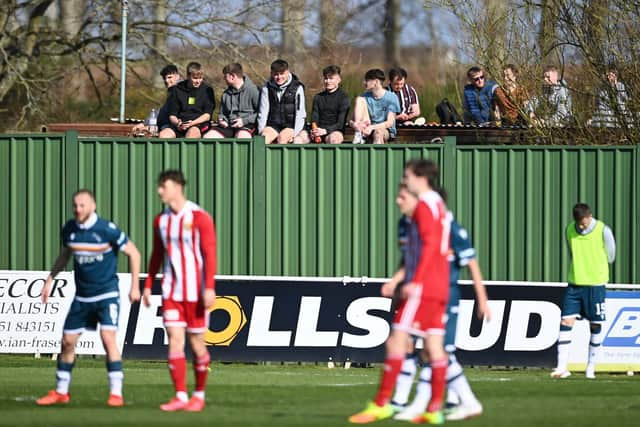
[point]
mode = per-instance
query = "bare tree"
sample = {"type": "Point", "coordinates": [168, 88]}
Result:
{"type": "Point", "coordinates": [293, 22]}
{"type": "Point", "coordinates": [391, 30]}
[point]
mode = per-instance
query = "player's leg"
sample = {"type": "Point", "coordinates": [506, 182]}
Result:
{"type": "Point", "coordinates": [458, 384]}
{"type": "Point", "coordinates": [438, 360]}
{"type": "Point", "coordinates": [595, 313]}
{"type": "Point", "coordinates": [379, 409]}
{"type": "Point", "coordinates": [197, 318]}
{"type": "Point", "coordinates": [107, 312]}
{"type": "Point", "coordinates": [570, 311]}
{"type": "Point", "coordinates": [404, 383]}
{"type": "Point", "coordinates": [177, 368]}
{"type": "Point", "coordinates": [76, 322]}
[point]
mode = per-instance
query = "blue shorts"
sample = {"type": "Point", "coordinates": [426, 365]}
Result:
{"type": "Point", "coordinates": [450, 329]}
{"type": "Point", "coordinates": [584, 301]}
{"type": "Point", "coordinates": [86, 315]}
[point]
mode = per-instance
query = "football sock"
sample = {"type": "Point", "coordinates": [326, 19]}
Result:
{"type": "Point", "coordinates": [392, 366]}
{"type": "Point", "coordinates": [115, 374]}
{"type": "Point", "coordinates": [438, 382]}
{"type": "Point", "coordinates": [63, 376]}
{"type": "Point", "coordinates": [423, 390]}
{"type": "Point", "coordinates": [564, 342]}
{"type": "Point", "coordinates": [405, 380]}
{"type": "Point", "coordinates": [201, 369]}
{"type": "Point", "coordinates": [178, 371]}
{"type": "Point", "coordinates": [595, 343]}
{"type": "Point", "coordinates": [457, 382]}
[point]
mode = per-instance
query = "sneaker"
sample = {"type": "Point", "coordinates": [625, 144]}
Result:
{"type": "Point", "coordinates": [174, 404]}
{"type": "Point", "coordinates": [590, 373]}
{"type": "Point", "coordinates": [357, 138]}
{"type": "Point", "coordinates": [115, 400]}
{"type": "Point", "coordinates": [462, 412]}
{"type": "Point", "coordinates": [372, 413]}
{"type": "Point", "coordinates": [195, 404]}
{"type": "Point", "coordinates": [559, 373]}
{"type": "Point", "coordinates": [429, 418]}
{"type": "Point", "coordinates": [408, 413]}
{"type": "Point", "coordinates": [54, 398]}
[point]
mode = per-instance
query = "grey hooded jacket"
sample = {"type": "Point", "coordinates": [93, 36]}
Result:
{"type": "Point", "coordinates": [240, 103]}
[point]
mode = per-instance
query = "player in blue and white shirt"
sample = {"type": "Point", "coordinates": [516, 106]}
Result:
{"type": "Point", "coordinates": [94, 244]}
{"type": "Point", "coordinates": [461, 254]}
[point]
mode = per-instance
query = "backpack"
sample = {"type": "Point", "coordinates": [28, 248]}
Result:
{"type": "Point", "coordinates": [447, 113]}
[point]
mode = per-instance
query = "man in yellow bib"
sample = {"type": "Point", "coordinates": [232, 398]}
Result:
{"type": "Point", "coordinates": [591, 249]}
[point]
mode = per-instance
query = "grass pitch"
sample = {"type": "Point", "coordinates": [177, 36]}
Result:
{"type": "Point", "coordinates": [306, 395]}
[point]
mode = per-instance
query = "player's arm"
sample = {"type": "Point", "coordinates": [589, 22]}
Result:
{"type": "Point", "coordinates": [389, 287]}
{"type": "Point", "coordinates": [133, 253]}
{"type": "Point", "coordinates": [430, 243]}
{"type": "Point", "coordinates": [208, 248]}
{"type": "Point", "coordinates": [58, 265]}
{"type": "Point", "coordinates": [484, 312]}
{"type": "Point", "coordinates": [157, 254]}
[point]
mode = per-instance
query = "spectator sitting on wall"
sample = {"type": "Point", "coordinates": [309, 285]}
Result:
{"type": "Point", "coordinates": [171, 77]}
{"type": "Point", "coordinates": [611, 102]}
{"type": "Point", "coordinates": [510, 98]}
{"type": "Point", "coordinates": [478, 100]}
{"type": "Point", "coordinates": [238, 107]}
{"type": "Point", "coordinates": [374, 115]}
{"type": "Point", "coordinates": [330, 110]}
{"type": "Point", "coordinates": [553, 106]}
{"type": "Point", "coordinates": [190, 105]}
{"type": "Point", "coordinates": [281, 114]}
{"type": "Point", "coordinates": [407, 96]}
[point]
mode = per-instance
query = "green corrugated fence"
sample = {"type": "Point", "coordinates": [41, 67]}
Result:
{"type": "Point", "coordinates": [320, 210]}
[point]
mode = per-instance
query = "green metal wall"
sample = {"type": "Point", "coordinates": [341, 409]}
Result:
{"type": "Point", "coordinates": [319, 210]}
{"type": "Point", "coordinates": [517, 201]}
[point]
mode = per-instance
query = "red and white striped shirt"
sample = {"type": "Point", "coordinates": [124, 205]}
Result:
{"type": "Point", "coordinates": [186, 240]}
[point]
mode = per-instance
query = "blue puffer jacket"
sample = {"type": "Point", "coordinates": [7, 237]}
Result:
{"type": "Point", "coordinates": [478, 104]}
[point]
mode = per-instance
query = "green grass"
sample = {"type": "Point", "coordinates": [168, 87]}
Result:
{"type": "Point", "coordinates": [307, 395]}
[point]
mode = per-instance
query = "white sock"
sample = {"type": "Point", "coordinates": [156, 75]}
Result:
{"type": "Point", "coordinates": [564, 342]}
{"type": "Point", "coordinates": [594, 348]}
{"type": "Point", "coordinates": [199, 394]}
{"type": "Point", "coordinates": [457, 382]}
{"type": "Point", "coordinates": [115, 382]}
{"type": "Point", "coordinates": [423, 390]}
{"type": "Point", "coordinates": [404, 382]}
{"type": "Point", "coordinates": [182, 395]}
{"type": "Point", "coordinates": [63, 379]}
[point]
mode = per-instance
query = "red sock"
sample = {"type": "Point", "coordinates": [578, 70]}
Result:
{"type": "Point", "coordinates": [392, 367]}
{"type": "Point", "coordinates": [438, 383]}
{"type": "Point", "coordinates": [201, 369]}
{"type": "Point", "coordinates": [178, 371]}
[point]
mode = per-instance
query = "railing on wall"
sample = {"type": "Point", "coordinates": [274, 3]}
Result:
{"type": "Point", "coordinates": [320, 210]}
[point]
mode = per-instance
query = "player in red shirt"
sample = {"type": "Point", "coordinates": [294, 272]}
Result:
{"type": "Point", "coordinates": [422, 312]}
{"type": "Point", "coordinates": [184, 237]}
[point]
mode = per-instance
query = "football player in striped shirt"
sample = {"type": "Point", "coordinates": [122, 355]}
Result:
{"type": "Point", "coordinates": [184, 237]}
{"type": "Point", "coordinates": [94, 243]}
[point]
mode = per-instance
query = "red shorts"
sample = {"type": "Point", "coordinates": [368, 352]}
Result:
{"type": "Point", "coordinates": [421, 317]}
{"type": "Point", "coordinates": [185, 314]}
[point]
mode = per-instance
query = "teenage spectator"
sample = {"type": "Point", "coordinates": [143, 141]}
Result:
{"type": "Point", "coordinates": [238, 107]}
{"type": "Point", "coordinates": [478, 97]}
{"type": "Point", "coordinates": [553, 106]}
{"type": "Point", "coordinates": [170, 76]}
{"type": "Point", "coordinates": [611, 102]}
{"type": "Point", "coordinates": [407, 96]}
{"type": "Point", "coordinates": [374, 115]}
{"type": "Point", "coordinates": [510, 98]}
{"type": "Point", "coordinates": [282, 112]}
{"type": "Point", "coordinates": [330, 110]}
{"type": "Point", "coordinates": [190, 105]}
